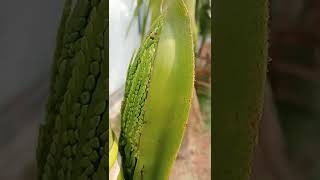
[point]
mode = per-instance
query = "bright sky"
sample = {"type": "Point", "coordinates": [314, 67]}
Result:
{"type": "Point", "coordinates": [120, 47]}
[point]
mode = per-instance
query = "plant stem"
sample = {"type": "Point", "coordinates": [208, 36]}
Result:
{"type": "Point", "coordinates": [239, 73]}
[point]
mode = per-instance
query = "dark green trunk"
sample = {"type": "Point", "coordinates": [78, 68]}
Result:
{"type": "Point", "coordinates": [239, 73]}
{"type": "Point", "coordinates": [73, 139]}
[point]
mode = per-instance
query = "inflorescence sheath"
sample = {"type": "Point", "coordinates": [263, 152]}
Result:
{"type": "Point", "coordinates": [136, 91]}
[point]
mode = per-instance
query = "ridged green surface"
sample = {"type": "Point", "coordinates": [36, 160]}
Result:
{"type": "Point", "coordinates": [158, 96]}
{"type": "Point", "coordinates": [239, 73]}
{"type": "Point", "coordinates": [136, 91]}
{"type": "Point", "coordinates": [72, 142]}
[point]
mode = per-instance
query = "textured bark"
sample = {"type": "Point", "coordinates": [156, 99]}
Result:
{"type": "Point", "coordinates": [73, 141]}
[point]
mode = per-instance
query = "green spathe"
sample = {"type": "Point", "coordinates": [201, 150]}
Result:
{"type": "Point", "coordinates": [166, 106]}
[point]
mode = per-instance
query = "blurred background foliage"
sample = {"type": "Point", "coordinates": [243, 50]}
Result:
{"type": "Point", "coordinates": [295, 80]}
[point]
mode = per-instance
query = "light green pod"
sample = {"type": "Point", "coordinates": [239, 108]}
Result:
{"type": "Point", "coordinates": [157, 96]}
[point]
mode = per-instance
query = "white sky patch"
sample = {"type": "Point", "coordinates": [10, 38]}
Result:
{"type": "Point", "coordinates": [120, 46]}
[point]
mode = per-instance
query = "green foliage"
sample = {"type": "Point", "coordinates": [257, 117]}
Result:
{"type": "Point", "coordinates": [203, 17]}
{"type": "Point", "coordinates": [144, 10]}
{"type": "Point", "coordinates": [72, 141]}
{"type": "Point", "coordinates": [199, 11]}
